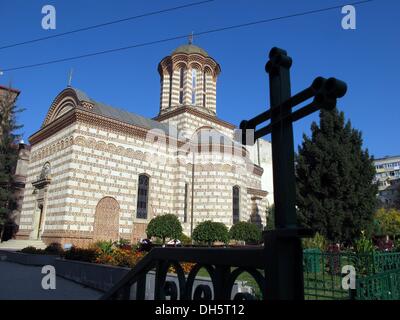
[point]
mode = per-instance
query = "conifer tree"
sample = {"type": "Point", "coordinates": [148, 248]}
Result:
{"type": "Point", "coordinates": [8, 153]}
{"type": "Point", "coordinates": [335, 194]}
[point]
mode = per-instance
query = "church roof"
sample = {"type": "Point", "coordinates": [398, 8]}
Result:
{"type": "Point", "coordinates": [190, 48]}
{"type": "Point", "coordinates": [121, 115]}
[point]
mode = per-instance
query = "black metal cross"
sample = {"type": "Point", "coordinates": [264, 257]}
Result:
{"type": "Point", "coordinates": [283, 250]}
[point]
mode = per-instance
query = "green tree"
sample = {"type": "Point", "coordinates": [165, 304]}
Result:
{"type": "Point", "coordinates": [209, 232]}
{"type": "Point", "coordinates": [164, 226]}
{"type": "Point", "coordinates": [387, 222]}
{"type": "Point", "coordinates": [8, 153]}
{"type": "Point", "coordinates": [335, 194]}
{"type": "Point", "coordinates": [270, 218]}
{"type": "Point", "coordinates": [245, 231]}
{"type": "Point", "coordinates": [397, 199]}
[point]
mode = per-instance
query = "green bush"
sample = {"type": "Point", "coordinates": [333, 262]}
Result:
{"type": "Point", "coordinates": [86, 255]}
{"type": "Point", "coordinates": [104, 246]}
{"type": "Point", "coordinates": [317, 242]}
{"type": "Point", "coordinates": [122, 243]}
{"type": "Point", "coordinates": [31, 250]}
{"type": "Point", "coordinates": [185, 240]}
{"type": "Point", "coordinates": [387, 222]}
{"type": "Point", "coordinates": [270, 217]}
{"type": "Point", "coordinates": [164, 226]}
{"type": "Point", "coordinates": [54, 249]}
{"type": "Point", "coordinates": [364, 245]}
{"type": "Point", "coordinates": [245, 231]}
{"type": "Point", "coordinates": [209, 232]}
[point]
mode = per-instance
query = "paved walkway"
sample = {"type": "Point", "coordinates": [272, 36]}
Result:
{"type": "Point", "coordinates": [24, 282]}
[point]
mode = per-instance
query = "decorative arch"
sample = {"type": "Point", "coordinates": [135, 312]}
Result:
{"type": "Point", "coordinates": [195, 65]}
{"type": "Point", "coordinates": [106, 220]}
{"type": "Point", "coordinates": [180, 65]}
{"type": "Point", "coordinates": [64, 102]}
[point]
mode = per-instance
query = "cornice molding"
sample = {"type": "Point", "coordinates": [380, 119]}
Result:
{"type": "Point", "coordinates": [193, 111]}
{"type": "Point", "coordinates": [257, 192]}
{"type": "Point", "coordinates": [84, 116]}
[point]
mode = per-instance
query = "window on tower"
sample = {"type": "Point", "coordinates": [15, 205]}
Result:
{"type": "Point", "coordinates": [235, 204]}
{"type": "Point", "coordinates": [181, 82]}
{"type": "Point", "coordinates": [204, 88]}
{"type": "Point", "coordinates": [194, 84]}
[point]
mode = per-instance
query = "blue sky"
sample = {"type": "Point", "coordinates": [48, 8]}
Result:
{"type": "Point", "coordinates": [366, 58]}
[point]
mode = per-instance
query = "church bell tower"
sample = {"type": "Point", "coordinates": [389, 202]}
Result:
{"type": "Point", "coordinates": [188, 79]}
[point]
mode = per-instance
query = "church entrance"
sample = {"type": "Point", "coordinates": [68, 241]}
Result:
{"type": "Point", "coordinates": [106, 220]}
{"type": "Point", "coordinates": [39, 228]}
{"type": "Point", "coordinates": [38, 222]}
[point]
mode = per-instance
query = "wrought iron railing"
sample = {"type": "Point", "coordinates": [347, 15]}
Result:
{"type": "Point", "coordinates": [380, 286]}
{"type": "Point", "coordinates": [377, 275]}
{"type": "Point", "coordinates": [224, 266]}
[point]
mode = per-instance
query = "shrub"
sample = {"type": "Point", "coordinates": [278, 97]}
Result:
{"type": "Point", "coordinates": [86, 255]}
{"type": "Point", "coordinates": [105, 258]}
{"type": "Point", "coordinates": [333, 259]}
{"type": "Point", "coordinates": [396, 245]}
{"type": "Point", "coordinates": [104, 246]}
{"type": "Point", "coordinates": [385, 244]}
{"type": "Point", "coordinates": [317, 242]}
{"type": "Point", "coordinates": [270, 215]}
{"type": "Point", "coordinates": [125, 258]}
{"type": "Point", "coordinates": [164, 226]}
{"type": "Point", "coordinates": [54, 249]}
{"type": "Point", "coordinates": [245, 231]}
{"type": "Point", "coordinates": [364, 245]}
{"type": "Point", "coordinates": [145, 245]}
{"type": "Point", "coordinates": [186, 267]}
{"type": "Point", "coordinates": [120, 257]}
{"type": "Point", "coordinates": [185, 240]}
{"type": "Point", "coordinates": [123, 244]}
{"type": "Point", "coordinates": [31, 250]}
{"type": "Point", "coordinates": [387, 222]}
{"type": "Point", "coordinates": [209, 232]}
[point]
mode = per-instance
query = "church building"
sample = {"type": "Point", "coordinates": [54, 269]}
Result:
{"type": "Point", "coordinates": [97, 172]}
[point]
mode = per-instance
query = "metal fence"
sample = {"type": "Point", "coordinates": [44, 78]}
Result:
{"type": "Point", "coordinates": [377, 275]}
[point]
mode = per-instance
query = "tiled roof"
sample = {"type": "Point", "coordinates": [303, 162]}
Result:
{"type": "Point", "coordinates": [121, 115]}
{"type": "Point", "coordinates": [190, 48]}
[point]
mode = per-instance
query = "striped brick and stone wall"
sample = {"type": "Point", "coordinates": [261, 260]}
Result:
{"type": "Point", "coordinates": [84, 168]}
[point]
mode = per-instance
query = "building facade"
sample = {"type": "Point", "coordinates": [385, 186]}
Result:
{"type": "Point", "coordinates": [101, 173]}
{"type": "Point", "coordinates": [388, 179]}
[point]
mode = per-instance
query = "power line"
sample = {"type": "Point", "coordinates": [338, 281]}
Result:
{"type": "Point", "coordinates": [144, 44]}
{"type": "Point", "coordinates": [106, 24]}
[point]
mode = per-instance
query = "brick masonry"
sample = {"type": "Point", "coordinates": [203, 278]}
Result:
{"type": "Point", "coordinates": [89, 190]}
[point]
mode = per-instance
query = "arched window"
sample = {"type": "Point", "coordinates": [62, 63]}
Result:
{"type": "Point", "coordinates": [194, 84]}
{"type": "Point", "coordinates": [204, 88]}
{"type": "Point", "coordinates": [235, 204]}
{"type": "Point", "coordinates": [142, 197]}
{"type": "Point", "coordinates": [170, 91]}
{"type": "Point", "coordinates": [181, 83]}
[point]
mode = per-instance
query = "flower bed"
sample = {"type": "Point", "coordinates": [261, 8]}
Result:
{"type": "Point", "coordinates": [108, 253]}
